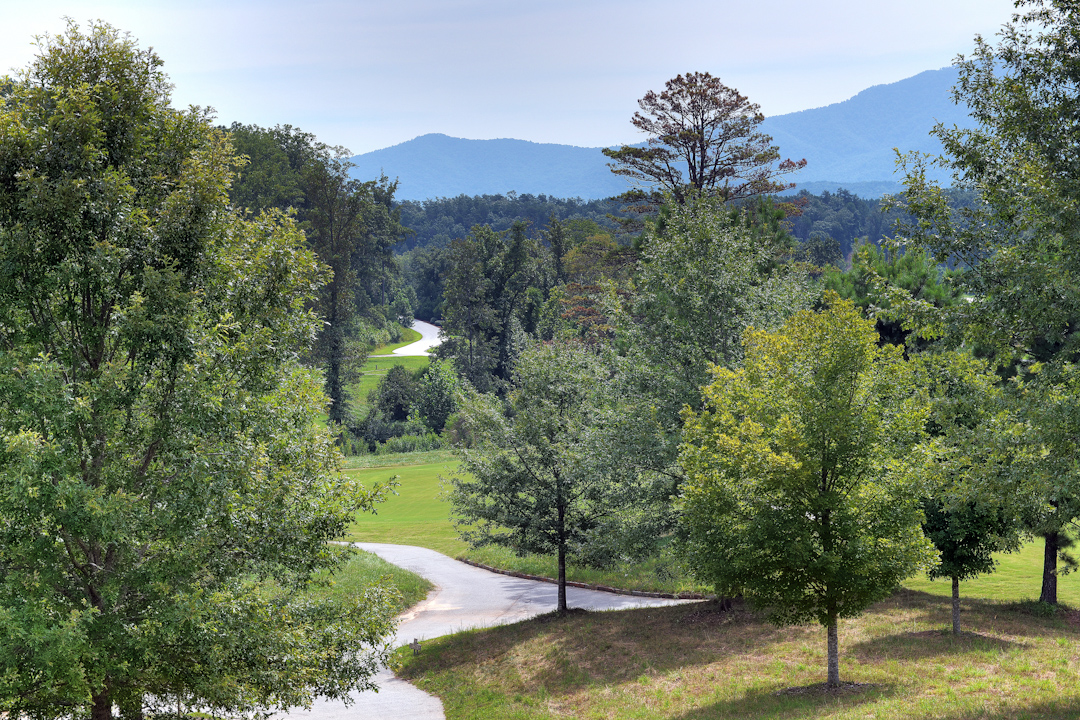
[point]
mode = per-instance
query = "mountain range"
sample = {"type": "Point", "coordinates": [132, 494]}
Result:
{"type": "Point", "coordinates": [848, 144]}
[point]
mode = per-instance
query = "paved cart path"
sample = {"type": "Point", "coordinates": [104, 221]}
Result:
{"type": "Point", "coordinates": [464, 597]}
{"type": "Point", "coordinates": [429, 338]}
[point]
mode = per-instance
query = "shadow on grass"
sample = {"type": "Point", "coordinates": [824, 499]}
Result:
{"type": "Point", "coordinates": [565, 654]}
{"type": "Point", "coordinates": [932, 643]}
{"type": "Point", "coordinates": [763, 704]}
{"type": "Point", "coordinates": [799, 702]}
{"type": "Point", "coordinates": [978, 616]}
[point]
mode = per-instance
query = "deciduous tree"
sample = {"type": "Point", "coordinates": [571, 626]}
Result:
{"type": "Point", "coordinates": [529, 482]}
{"type": "Point", "coordinates": [1018, 240]}
{"type": "Point", "coordinates": [160, 457]}
{"type": "Point", "coordinates": [797, 493]}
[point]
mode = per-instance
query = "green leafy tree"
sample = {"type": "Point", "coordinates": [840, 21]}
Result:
{"type": "Point", "coordinates": [437, 395]}
{"type": "Point", "coordinates": [702, 137]}
{"type": "Point", "coordinates": [395, 394]}
{"type": "Point", "coordinates": [798, 493]}
{"type": "Point", "coordinates": [966, 526]}
{"type": "Point", "coordinates": [1018, 239]}
{"type": "Point", "coordinates": [159, 457]}
{"type": "Point", "coordinates": [486, 298]}
{"type": "Point", "coordinates": [528, 482]}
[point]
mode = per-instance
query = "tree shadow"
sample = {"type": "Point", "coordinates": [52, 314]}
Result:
{"type": "Point", "coordinates": [927, 643]}
{"type": "Point", "coordinates": [585, 647]}
{"type": "Point", "coordinates": [984, 617]}
{"type": "Point", "coordinates": [798, 702]}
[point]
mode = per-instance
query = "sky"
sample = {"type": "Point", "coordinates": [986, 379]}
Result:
{"type": "Point", "coordinates": [368, 74]}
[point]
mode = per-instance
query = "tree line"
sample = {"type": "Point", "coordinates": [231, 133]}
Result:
{"type": "Point", "coordinates": [708, 387]}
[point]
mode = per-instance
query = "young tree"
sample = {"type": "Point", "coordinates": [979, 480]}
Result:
{"type": "Point", "coordinates": [1018, 240]}
{"type": "Point", "coordinates": [703, 137]}
{"type": "Point", "coordinates": [965, 525]}
{"type": "Point", "coordinates": [797, 494]}
{"type": "Point", "coordinates": [528, 482]}
{"type": "Point", "coordinates": [160, 457]}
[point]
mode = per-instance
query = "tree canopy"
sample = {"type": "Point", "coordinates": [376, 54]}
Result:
{"type": "Point", "coordinates": [797, 493]}
{"type": "Point", "coordinates": [703, 137]}
{"type": "Point", "coordinates": [160, 457]}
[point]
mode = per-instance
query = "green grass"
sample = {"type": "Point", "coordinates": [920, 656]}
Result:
{"type": "Point", "coordinates": [416, 515]}
{"type": "Point", "coordinates": [1018, 577]}
{"type": "Point", "coordinates": [408, 337]}
{"type": "Point", "coordinates": [694, 662]}
{"type": "Point", "coordinates": [364, 570]}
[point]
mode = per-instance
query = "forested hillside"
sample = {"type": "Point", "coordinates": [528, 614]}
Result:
{"type": "Point", "coordinates": [436, 222]}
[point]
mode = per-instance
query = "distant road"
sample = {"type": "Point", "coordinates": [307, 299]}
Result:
{"type": "Point", "coordinates": [429, 338]}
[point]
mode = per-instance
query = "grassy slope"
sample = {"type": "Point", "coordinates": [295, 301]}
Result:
{"type": "Point", "coordinates": [365, 569]}
{"type": "Point", "coordinates": [408, 337]}
{"type": "Point", "coordinates": [692, 662]}
{"type": "Point", "coordinates": [418, 516]}
{"type": "Point", "coordinates": [374, 369]}
{"type": "Point", "coordinates": [688, 664]}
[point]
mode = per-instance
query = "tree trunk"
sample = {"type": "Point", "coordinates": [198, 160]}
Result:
{"type": "Point", "coordinates": [955, 604]}
{"type": "Point", "coordinates": [562, 579]}
{"type": "Point", "coordinates": [1049, 579]}
{"type": "Point", "coordinates": [834, 653]}
{"type": "Point", "coordinates": [102, 707]}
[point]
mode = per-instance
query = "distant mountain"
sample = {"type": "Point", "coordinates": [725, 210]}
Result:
{"type": "Point", "coordinates": [852, 142]}
{"type": "Point", "coordinates": [437, 165]}
{"type": "Point", "coordinates": [848, 144]}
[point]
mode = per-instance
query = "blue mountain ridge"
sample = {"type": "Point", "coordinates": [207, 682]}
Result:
{"type": "Point", "coordinates": [849, 144]}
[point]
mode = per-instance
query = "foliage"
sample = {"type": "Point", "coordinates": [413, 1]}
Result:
{"type": "Point", "coordinates": [914, 273]}
{"type": "Point", "coordinates": [488, 296]}
{"type": "Point", "coordinates": [437, 395]}
{"type": "Point", "coordinates": [351, 225]}
{"type": "Point", "coordinates": [1017, 242]}
{"type": "Point", "coordinates": [798, 493]}
{"type": "Point", "coordinates": [700, 127]}
{"type": "Point", "coordinates": [529, 482]}
{"type": "Point", "coordinates": [439, 221]}
{"type": "Point", "coordinates": [394, 396]}
{"type": "Point", "coordinates": [160, 453]}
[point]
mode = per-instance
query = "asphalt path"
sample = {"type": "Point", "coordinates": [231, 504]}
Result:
{"type": "Point", "coordinates": [464, 597]}
{"type": "Point", "coordinates": [429, 338]}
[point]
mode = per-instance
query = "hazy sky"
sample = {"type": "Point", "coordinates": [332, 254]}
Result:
{"type": "Point", "coordinates": [368, 74]}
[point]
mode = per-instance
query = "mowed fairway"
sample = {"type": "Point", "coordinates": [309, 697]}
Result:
{"type": "Point", "coordinates": [416, 515]}
{"type": "Point", "coordinates": [1018, 577]}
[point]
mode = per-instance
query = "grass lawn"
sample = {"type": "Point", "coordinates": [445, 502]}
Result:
{"type": "Point", "coordinates": [418, 516]}
{"type": "Point", "coordinates": [408, 337]}
{"type": "Point", "coordinates": [1018, 577]}
{"type": "Point", "coordinates": [373, 371]}
{"type": "Point", "coordinates": [365, 569]}
{"type": "Point", "coordinates": [695, 662]}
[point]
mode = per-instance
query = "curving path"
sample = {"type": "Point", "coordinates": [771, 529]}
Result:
{"type": "Point", "coordinates": [429, 338]}
{"type": "Point", "coordinates": [464, 597]}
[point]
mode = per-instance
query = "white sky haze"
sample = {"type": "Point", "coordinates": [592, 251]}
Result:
{"type": "Point", "coordinates": [367, 74]}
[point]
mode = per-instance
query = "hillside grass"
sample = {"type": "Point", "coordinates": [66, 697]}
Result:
{"type": "Point", "coordinates": [420, 515]}
{"type": "Point", "coordinates": [408, 337]}
{"type": "Point", "coordinates": [697, 662]}
{"type": "Point", "coordinates": [373, 370]}
{"type": "Point", "coordinates": [363, 570]}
